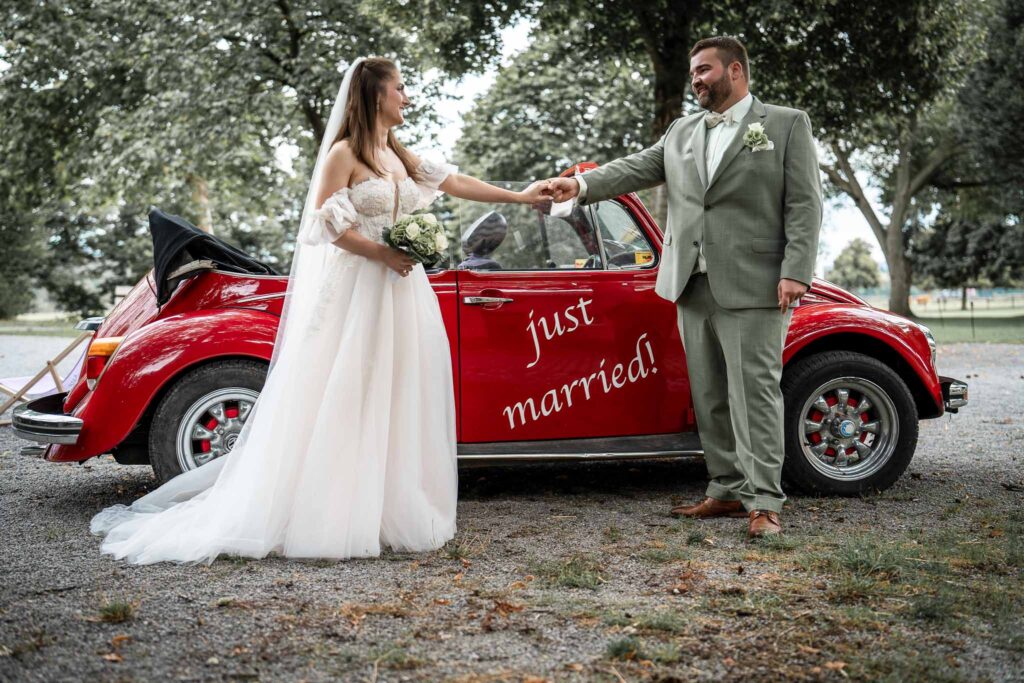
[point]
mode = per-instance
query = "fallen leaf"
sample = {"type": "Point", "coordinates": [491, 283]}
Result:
{"type": "Point", "coordinates": [113, 657]}
{"type": "Point", "coordinates": [117, 641]}
{"type": "Point", "coordinates": [458, 577]}
{"type": "Point", "coordinates": [466, 563]}
{"type": "Point", "coordinates": [442, 601]}
{"type": "Point", "coordinates": [574, 666]}
{"type": "Point", "coordinates": [729, 661]}
{"type": "Point", "coordinates": [835, 666]}
{"type": "Point", "coordinates": [807, 649]}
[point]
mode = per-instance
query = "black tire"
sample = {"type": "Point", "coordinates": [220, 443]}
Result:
{"type": "Point", "coordinates": [801, 380]}
{"type": "Point", "coordinates": [244, 376]}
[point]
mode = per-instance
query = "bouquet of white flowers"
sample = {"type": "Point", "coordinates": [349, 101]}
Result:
{"type": "Point", "coordinates": [421, 236]}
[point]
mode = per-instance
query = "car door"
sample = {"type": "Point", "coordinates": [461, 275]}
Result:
{"type": "Point", "coordinates": [554, 343]}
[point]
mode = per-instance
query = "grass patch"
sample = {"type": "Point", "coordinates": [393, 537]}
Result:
{"type": "Point", "coordinates": [936, 609]}
{"type": "Point", "coordinates": [624, 648]}
{"type": "Point", "coordinates": [695, 538]}
{"type": "Point", "coordinates": [906, 665]}
{"type": "Point", "coordinates": [778, 543]}
{"type": "Point", "coordinates": [116, 611]}
{"type": "Point", "coordinates": [666, 621]}
{"type": "Point", "coordinates": [463, 548]}
{"type": "Point", "coordinates": [1005, 330]}
{"type": "Point", "coordinates": [865, 558]}
{"type": "Point", "coordinates": [852, 589]}
{"type": "Point", "coordinates": [578, 571]}
{"type": "Point", "coordinates": [632, 648]}
{"type": "Point", "coordinates": [395, 658]}
{"type": "Point", "coordinates": [664, 555]}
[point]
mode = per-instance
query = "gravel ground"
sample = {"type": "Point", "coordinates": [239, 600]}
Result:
{"type": "Point", "coordinates": [490, 606]}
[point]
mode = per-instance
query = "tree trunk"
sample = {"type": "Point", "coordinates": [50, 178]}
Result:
{"type": "Point", "coordinates": [963, 298]}
{"type": "Point", "coordinates": [899, 276]}
{"type": "Point", "coordinates": [201, 198]}
{"type": "Point", "coordinates": [667, 42]}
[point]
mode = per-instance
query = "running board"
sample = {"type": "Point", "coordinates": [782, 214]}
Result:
{"type": "Point", "coordinates": [609, 448]}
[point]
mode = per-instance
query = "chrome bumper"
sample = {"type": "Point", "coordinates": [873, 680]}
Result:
{"type": "Point", "coordinates": [954, 394]}
{"type": "Point", "coordinates": [43, 420]}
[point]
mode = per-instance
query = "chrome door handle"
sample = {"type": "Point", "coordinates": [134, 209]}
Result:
{"type": "Point", "coordinates": [481, 300]}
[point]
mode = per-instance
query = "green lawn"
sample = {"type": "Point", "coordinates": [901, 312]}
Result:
{"type": "Point", "coordinates": [1000, 328]}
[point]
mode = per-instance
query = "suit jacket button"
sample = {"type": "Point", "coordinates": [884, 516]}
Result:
{"type": "Point", "coordinates": [696, 244]}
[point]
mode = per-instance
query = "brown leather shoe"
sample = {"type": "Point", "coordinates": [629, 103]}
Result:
{"type": "Point", "coordinates": [710, 507]}
{"type": "Point", "coordinates": [764, 523]}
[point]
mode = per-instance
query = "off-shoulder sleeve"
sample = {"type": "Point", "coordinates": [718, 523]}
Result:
{"type": "Point", "coordinates": [432, 174]}
{"type": "Point", "coordinates": [330, 221]}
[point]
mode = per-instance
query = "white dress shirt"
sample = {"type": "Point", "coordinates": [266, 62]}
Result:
{"type": "Point", "coordinates": [718, 140]}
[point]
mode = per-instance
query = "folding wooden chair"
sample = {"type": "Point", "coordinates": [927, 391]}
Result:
{"type": "Point", "coordinates": [17, 389]}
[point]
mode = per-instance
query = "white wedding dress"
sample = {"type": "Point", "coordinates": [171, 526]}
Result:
{"type": "Point", "coordinates": [351, 444]}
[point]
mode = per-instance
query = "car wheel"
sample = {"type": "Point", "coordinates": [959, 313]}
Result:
{"type": "Point", "coordinates": [851, 424]}
{"type": "Point", "coordinates": [200, 418]}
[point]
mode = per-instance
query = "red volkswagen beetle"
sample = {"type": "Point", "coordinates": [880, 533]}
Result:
{"type": "Point", "coordinates": [560, 350]}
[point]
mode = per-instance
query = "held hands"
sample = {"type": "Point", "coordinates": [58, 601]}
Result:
{"type": "Point", "coordinates": [563, 189]}
{"type": "Point", "coordinates": [397, 261]}
{"type": "Point", "coordinates": [789, 292]}
{"type": "Point", "coordinates": [538, 194]}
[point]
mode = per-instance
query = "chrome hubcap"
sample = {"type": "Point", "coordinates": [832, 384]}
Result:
{"type": "Point", "coordinates": [849, 428]}
{"type": "Point", "coordinates": [212, 424]}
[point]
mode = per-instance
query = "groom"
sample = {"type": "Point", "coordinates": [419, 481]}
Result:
{"type": "Point", "coordinates": [744, 211]}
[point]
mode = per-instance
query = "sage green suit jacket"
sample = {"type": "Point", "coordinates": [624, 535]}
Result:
{"type": "Point", "coordinates": [758, 218]}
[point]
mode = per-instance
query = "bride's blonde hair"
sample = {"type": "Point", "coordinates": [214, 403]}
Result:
{"type": "Point", "coordinates": [368, 82]}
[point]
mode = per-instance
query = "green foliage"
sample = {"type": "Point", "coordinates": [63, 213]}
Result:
{"type": "Point", "coordinates": [959, 251]}
{"type": "Point", "coordinates": [854, 268]}
{"type": "Point", "coordinates": [108, 108]}
{"type": "Point", "coordinates": [535, 122]}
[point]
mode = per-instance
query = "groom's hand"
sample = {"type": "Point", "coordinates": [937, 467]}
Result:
{"type": "Point", "coordinates": [563, 189]}
{"type": "Point", "coordinates": [789, 292]}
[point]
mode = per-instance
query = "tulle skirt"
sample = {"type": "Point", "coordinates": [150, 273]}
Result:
{"type": "Point", "coordinates": [350, 446]}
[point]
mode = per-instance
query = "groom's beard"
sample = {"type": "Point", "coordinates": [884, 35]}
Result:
{"type": "Point", "coordinates": [715, 94]}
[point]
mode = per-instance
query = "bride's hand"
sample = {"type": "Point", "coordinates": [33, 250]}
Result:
{"type": "Point", "coordinates": [398, 261]}
{"type": "Point", "coordinates": [538, 194]}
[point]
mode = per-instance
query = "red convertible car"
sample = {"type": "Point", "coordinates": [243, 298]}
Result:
{"type": "Point", "coordinates": [560, 350]}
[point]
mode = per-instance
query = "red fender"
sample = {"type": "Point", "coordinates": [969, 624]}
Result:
{"type": "Point", "coordinates": [150, 358]}
{"type": "Point", "coordinates": [900, 335]}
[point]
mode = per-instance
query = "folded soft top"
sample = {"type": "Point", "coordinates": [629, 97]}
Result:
{"type": "Point", "coordinates": [181, 250]}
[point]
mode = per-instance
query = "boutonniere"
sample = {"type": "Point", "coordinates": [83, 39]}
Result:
{"type": "Point", "coordinates": [756, 139]}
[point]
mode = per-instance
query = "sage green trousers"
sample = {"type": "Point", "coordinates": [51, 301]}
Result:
{"type": "Point", "coordinates": [734, 360]}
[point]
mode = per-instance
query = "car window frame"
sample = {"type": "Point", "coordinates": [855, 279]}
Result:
{"type": "Point", "coordinates": [592, 217]}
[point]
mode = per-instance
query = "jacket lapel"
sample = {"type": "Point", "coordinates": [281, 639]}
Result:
{"type": "Point", "coordinates": [697, 143]}
{"type": "Point", "coordinates": [757, 113]}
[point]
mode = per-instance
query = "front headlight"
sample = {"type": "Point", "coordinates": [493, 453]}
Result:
{"type": "Point", "coordinates": [931, 341]}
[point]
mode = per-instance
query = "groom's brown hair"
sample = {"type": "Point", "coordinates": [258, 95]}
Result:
{"type": "Point", "coordinates": [729, 50]}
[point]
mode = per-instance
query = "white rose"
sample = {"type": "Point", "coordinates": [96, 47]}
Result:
{"type": "Point", "coordinates": [441, 242]}
{"type": "Point", "coordinates": [413, 230]}
{"type": "Point", "coordinates": [429, 218]}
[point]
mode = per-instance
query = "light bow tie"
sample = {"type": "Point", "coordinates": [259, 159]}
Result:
{"type": "Point", "coordinates": [711, 119]}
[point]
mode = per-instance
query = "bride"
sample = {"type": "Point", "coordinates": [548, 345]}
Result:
{"type": "Point", "coordinates": [351, 444]}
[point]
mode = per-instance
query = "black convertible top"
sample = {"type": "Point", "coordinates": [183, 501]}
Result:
{"type": "Point", "coordinates": [181, 250]}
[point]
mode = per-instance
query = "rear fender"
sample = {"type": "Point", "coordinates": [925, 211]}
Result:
{"type": "Point", "coordinates": [149, 359]}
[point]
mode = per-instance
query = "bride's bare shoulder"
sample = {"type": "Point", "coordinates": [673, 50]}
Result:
{"type": "Point", "coordinates": [339, 166]}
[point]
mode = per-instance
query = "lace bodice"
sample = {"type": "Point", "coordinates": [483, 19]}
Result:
{"type": "Point", "coordinates": [373, 205]}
